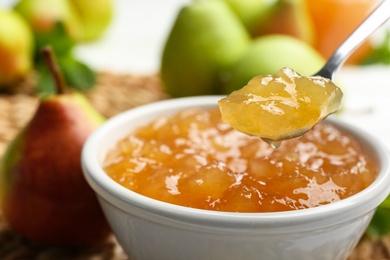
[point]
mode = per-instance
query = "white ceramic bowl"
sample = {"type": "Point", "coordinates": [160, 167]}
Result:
{"type": "Point", "coordinates": [150, 229]}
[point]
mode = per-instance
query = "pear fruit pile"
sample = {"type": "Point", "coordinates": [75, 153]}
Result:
{"type": "Point", "coordinates": [217, 46]}
{"type": "Point", "coordinates": [63, 24]}
{"type": "Point", "coordinates": [44, 195]}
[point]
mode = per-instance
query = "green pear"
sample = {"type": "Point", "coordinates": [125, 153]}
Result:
{"type": "Point", "coordinates": [16, 48]}
{"type": "Point", "coordinates": [95, 16]}
{"type": "Point", "coordinates": [268, 54]}
{"type": "Point", "coordinates": [206, 39]}
{"type": "Point", "coordinates": [44, 195]}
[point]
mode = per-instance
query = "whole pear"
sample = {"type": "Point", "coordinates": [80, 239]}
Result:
{"type": "Point", "coordinates": [206, 39]}
{"type": "Point", "coordinates": [268, 54]}
{"type": "Point", "coordinates": [94, 15]}
{"type": "Point", "coordinates": [44, 195]}
{"type": "Point", "coordinates": [16, 48]}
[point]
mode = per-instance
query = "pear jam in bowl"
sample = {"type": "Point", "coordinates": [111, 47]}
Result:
{"type": "Point", "coordinates": [175, 182]}
{"type": "Point", "coordinates": [194, 159]}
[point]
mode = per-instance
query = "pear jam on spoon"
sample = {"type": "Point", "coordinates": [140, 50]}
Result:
{"type": "Point", "coordinates": [282, 106]}
{"type": "Point", "coordinates": [195, 159]}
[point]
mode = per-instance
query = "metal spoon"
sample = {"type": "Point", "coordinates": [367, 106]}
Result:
{"type": "Point", "coordinates": [375, 20]}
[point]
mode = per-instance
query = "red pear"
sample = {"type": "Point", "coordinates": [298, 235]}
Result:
{"type": "Point", "coordinates": [44, 195]}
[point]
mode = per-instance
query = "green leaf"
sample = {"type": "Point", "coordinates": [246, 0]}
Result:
{"type": "Point", "coordinates": [380, 223]}
{"type": "Point", "coordinates": [77, 74]}
{"type": "Point", "coordinates": [45, 83]}
{"type": "Point", "coordinates": [57, 38]}
{"type": "Point", "coordinates": [381, 54]}
{"type": "Point", "coordinates": [385, 204]}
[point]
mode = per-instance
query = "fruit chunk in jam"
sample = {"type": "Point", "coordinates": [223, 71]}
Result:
{"type": "Point", "coordinates": [281, 106]}
{"type": "Point", "coordinates": [195, 159]}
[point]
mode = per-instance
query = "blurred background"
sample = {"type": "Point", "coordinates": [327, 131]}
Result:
{"type": "Point", "coordinates": [134, 40]}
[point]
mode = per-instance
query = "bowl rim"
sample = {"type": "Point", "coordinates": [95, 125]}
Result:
{"type": "Point", "coordinates": [351, 207]}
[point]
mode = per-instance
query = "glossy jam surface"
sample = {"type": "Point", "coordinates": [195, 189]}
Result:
{"type": "Point", "coordinates": [281, 106]}
{"type": "Point", "coordinates": [194, 159]}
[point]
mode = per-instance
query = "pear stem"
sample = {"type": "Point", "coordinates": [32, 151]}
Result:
{"type": "Point", "coordinates": [52, 65]}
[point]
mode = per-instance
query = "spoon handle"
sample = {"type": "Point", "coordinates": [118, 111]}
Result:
{"type": "Point", "coordinates": [375, 20]}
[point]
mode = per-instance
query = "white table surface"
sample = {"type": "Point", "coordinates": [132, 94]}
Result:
{"type": "Point", "coordinates": [134, 42]}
